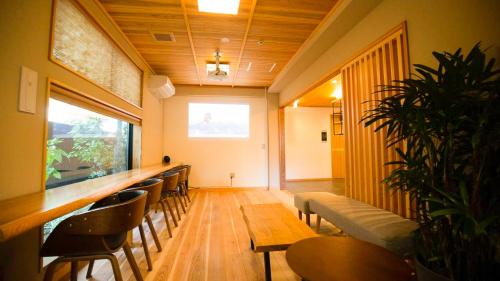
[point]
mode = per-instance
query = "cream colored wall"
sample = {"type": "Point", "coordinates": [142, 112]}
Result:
{"type": "Point", "coordinates": [152, 129]}
{"type": "Point", "coordinates": [24, 40]}
{"type": "Point", "coordinates": [306, 156]}
{"type": "Point", "coordinates": [213, 159]}
{"type": "Point", "coordinates": [432, 25]}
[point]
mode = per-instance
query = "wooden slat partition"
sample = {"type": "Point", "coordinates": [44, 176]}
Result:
{"type": "Point", "coordinates": [366, 151]}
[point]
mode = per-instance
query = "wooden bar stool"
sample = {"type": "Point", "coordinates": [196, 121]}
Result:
{"type": "Point", "coordinates": [97, 234]}
{"type": "Point", "coordinates": [153, 188]}
{"type": "Point", "coordinates": [170, 189]}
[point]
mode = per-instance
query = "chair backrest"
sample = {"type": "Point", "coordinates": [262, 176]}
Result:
{"type": "Point", "coordinates": [188, 170]}
{"type": "Point", "coordinates": [113, 215]}
{"type": "Point", "coordinates": [182, 175]}
{"type": "Point", "coordinates": [153, 187]}
{"type": "Point", "coordinates": [170, 180]}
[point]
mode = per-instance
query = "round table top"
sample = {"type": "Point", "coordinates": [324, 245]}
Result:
{"type": "Point", "coordinates": [345, 259]}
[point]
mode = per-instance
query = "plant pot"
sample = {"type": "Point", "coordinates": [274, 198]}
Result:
{"type": "Point", "coordinates": [425, 274]}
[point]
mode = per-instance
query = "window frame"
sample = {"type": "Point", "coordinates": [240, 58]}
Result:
{"type": "Point", "coordinates": [69, 95]}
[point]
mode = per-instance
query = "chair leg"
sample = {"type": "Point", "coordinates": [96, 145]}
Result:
{"type": "Point", "coordinates": [177, 193]}
{"type": "Point", "coordinates": [300, 215]}
{"type": "Point", "coordinates": [74, 271]}
{"type": "Point", "coordinates": [171, 211]}
{"type": "Point", "coordinates": [49, 272]}
{"type": "Point", "coordinates": [89, 269]}
{"type": "Point", "coordinates": [176, 207]}
{"type": "Point", "coordinates": [186, 187]}
{"type": "Point", "coordinates": [166, 220]}
{"type": "Point", "coordinates": [308, 219]}
{"type": "Point", "coordinates": [318, 223]}
{"type": "Point", "coordinates": [153, 232]}
{"type": "Point", "coordinates": [182, 196]}
{"type": "Point", "coordinates": [145, 247]}
{"type": "Point", "coordinates": [116, 268]}
{"type": "Point", "coordinates": [131, 261]}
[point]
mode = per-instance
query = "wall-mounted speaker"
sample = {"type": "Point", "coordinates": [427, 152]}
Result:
{"type": "Point", "coordinates": [166, 159]}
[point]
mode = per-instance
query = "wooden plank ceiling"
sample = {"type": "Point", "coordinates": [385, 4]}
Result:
{"type": "Point", "coordinates": [323, 95]}
{"type": "Point", "coordinates": [263, 33]}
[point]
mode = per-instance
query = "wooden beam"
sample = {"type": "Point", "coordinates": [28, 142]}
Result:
{"type": "Point", "coordinates": [190, 36]}
{"type": "Point", "coordinates": [244, 42]}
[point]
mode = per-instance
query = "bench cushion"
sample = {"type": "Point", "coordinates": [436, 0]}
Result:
{"type": "Point", "coordinates": [301, 200]}
{"type": "Point", "coordinates": [368, 223]}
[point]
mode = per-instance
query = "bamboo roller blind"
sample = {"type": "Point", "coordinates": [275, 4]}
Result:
{"type": "Point", "coordinates": [366, 150]}
{"type": "Point", "coordinates": [80, 45]}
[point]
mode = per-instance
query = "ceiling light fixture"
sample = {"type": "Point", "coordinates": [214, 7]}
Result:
{"type": "Point", "coordinates": [272, 67]}
{"type": "Point", "coordinates": [249, 66]}
{"type": "Point", "coordinates": [337, 93]}
{"type": "Point", "coordinates": [219, 6]}
{"type": "Point", "coordinates": [217, 71]}
{"type": "Point", "coordinates": [296, 104]}
{"type": "Point", "coordinates": [334, 81]}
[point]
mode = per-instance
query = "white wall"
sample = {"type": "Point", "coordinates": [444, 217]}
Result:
{"type": "Point", "coordinates": [213, 159]}
{"type": "Point", "coordinates": [306, 156]}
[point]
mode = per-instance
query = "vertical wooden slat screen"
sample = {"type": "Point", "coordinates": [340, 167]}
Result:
{"type": "Point", "coordinates": [366, 150]}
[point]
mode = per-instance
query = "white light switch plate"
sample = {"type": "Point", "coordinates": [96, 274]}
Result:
{"type": "Point", "coordinates": [27, 90]}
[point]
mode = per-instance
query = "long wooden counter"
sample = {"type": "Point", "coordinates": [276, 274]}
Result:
{"type": "Point", "coordinates": [20, 214]}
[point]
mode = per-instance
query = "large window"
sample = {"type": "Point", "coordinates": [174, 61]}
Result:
{"type": "Point", "coordinates": [83, 144]}
{"type": "Point", "coordinates": [208, 120]}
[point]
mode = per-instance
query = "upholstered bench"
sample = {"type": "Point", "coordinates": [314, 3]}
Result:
{"type": "Point", "coordinates": [366, 222]}
{"type": "Point", "coordinates": [301, 202]}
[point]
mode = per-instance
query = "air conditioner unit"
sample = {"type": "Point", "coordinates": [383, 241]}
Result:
{"type": "Point", "coordinates": [161, 86]}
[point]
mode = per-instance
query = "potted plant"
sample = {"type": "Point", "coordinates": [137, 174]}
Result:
{"type": "Point", "coordinates": [444, 123]}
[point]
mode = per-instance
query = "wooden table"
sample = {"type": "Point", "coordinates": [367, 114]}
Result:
{"type": "Point", "coordinates": [23, 213]}
{"type": "Point", "coordinates": [272, 227]}
{"type": "Point", "coordinates": [345, 259]}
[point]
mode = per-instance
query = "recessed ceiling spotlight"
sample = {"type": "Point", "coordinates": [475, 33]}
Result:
{"type": "Point", "coordinates": [260, 43]}
{"type": "Point", "coordinates": [225, 40]}
{"type": "Point", "coordinates": [219, 6]}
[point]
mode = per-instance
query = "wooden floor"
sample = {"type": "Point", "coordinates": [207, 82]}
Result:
{"type": "Point", "coordinates": [211, 242]}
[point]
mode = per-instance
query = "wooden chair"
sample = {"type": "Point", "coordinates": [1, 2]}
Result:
{"type": "Point", "coordinates": [97, 234]}
{"type": "Point", "coordinates": [183, 175]}
{"type": "Point", "coordinates": [186, 184]}
{"type": "Point", "coordinates": [153, 188]}
{"type": "Point", "coordinates": [170, 189]}
{"type": "Point", "coordinates": [181, 184]}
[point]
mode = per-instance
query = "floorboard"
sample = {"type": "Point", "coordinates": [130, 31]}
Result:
{"type": "Point", "coordinates": [211, 242]}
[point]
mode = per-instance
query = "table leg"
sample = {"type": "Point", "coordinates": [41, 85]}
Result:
{"type": "Point", "coordinates": [267, 266]}
{"type": "Point", "coordinates": [251, 245]}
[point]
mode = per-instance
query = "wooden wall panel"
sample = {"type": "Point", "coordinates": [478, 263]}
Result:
{"type": "Point", "coordinates": [366, 151]}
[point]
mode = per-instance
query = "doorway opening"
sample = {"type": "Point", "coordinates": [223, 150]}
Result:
{"type": "Point", "coordinates": [313, 138]}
